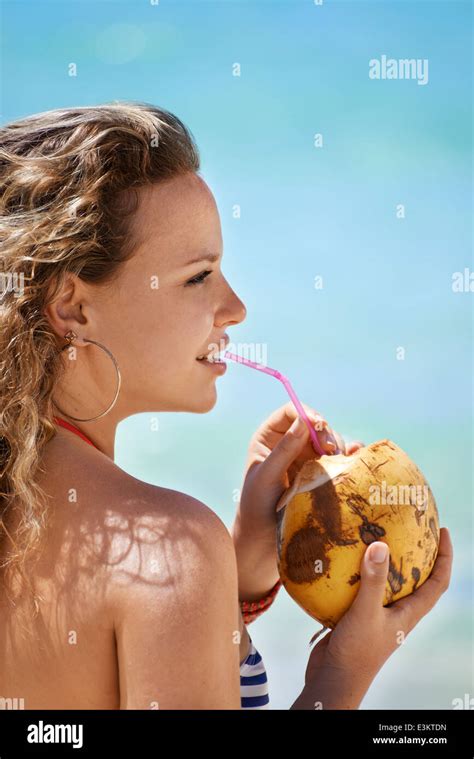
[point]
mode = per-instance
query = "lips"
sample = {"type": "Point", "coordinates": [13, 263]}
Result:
{"type": "Point", "coordinates": [212, 356]}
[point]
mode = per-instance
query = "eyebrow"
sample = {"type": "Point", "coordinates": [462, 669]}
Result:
{"type": "Point", "coordinates": [211, 257]}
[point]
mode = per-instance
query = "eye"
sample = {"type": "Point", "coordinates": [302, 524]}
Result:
{"type": "Point", "coordinates": [198, 279]}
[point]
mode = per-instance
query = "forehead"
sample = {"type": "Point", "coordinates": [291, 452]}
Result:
{"type": "Point", "coordinates": [178, 217]}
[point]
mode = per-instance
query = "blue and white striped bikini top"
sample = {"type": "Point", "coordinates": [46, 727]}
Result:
{"type": "Point", "coordinates": [253, 681]}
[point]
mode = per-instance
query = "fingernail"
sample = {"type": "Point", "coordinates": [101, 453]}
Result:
{"type": "Point", "coordinates": [378, 552]}
{"type": "Point", "coordinates": [298, 427]}
{"type": "Point", "coordinates": [320, 426]}
{"type": "Point", "coordinates": [330, 439]}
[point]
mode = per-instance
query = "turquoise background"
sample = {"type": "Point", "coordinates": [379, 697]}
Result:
{"type": "Point", "coordinates": [308, 211]}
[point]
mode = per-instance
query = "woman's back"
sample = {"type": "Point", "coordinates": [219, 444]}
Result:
{"type": "Point", "coordinates": [119, 564]}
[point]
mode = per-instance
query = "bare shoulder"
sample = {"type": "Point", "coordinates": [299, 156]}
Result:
{"type": "Point", "coordinates": [129, 511]}
{"type": "Point", "coordinates": [125, 529]}
{"type": "Point", "coordinates": [156, 532]}
{"type": "Point", "coordinates": [172, 592]}
{"type": "Point", "coordinates": [159, 572]}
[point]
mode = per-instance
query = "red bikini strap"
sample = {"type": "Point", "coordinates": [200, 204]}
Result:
{"type": "Point", "coordinates": [69, 426]}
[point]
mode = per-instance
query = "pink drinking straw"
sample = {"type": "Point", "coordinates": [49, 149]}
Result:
{"type": "Point", "coordinates": [286, 382]}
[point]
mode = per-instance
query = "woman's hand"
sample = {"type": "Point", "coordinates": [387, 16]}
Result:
{"type": "Point", "coordinates": [276, 451]}
{"type": "Point", "coordinates": [369, 632]}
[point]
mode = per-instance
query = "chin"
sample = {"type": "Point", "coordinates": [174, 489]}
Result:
{"type": "Point", "coordinates": [202, 399]}
{"type": "Point", "coordinates": [199, 404]}
{"type": "Point", "coordinates": [203, 405]}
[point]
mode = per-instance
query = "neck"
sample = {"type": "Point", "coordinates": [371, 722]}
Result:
{"type": "Point", "coordinates": [81, 395]}
{"type": "Point", "coordinates": [100, 432]}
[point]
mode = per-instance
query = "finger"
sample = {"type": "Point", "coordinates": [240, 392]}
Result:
{"type": "Point", "coordinates": [373, 579]}
{"type": "Point", "coordinates": [340, 442]}
{"type": "Point", "coordinates": [353, 447]}
{"type": "Point", "coordinates": [309, 451]}
{"type": "Point", "coordinates": [413, 607]}
{"type": "Point", "coordinates": [273, 471]}
{"type": "Point", "coordinates": [326, 439]}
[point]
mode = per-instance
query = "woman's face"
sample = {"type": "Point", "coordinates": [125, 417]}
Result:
{"type": "Point", "coordinates": [161, 313]}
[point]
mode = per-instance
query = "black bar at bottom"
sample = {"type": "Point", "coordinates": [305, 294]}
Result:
{"type": "Point", "coordinates": [134, 733]}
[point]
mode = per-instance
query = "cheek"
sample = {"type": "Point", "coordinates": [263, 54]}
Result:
{"type": "Point", "coordinates": [171, 337]}
{"type": "Point", "coordinates": [157, 333]}
{"type": "Point", "coordinates": [188, 324]}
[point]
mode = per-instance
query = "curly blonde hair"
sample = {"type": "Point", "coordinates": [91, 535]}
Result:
{"type": "Point", "coordinates": [68, 179]}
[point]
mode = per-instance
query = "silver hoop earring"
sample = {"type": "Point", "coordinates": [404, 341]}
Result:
{"type": "Point", "coordinates": [70, 337]}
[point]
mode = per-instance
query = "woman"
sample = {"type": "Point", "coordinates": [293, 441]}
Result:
{"type": "Point", "coordinates": [118, 594]}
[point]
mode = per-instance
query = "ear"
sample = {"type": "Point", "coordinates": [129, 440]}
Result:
{"type": "Point", "coordinates": [65, 311]}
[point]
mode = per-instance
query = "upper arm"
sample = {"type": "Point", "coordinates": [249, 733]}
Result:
{"type": "Point", "coordinates": [176, 612]}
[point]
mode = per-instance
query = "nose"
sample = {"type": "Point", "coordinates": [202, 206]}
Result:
{"type": "Point", "coordinates": [234, 311]}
